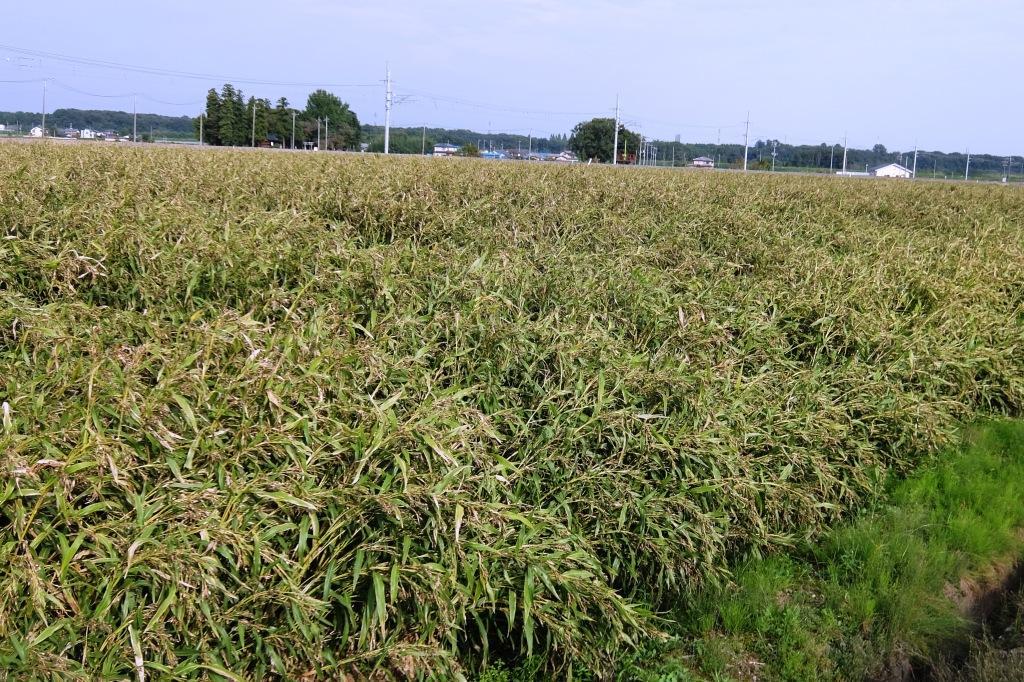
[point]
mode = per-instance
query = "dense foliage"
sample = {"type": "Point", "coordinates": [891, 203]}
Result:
{"type": "Point", "coordinates": [230, 120]}
{"type": "Point", "coordinates": [595, 139]}
{"type": "Point", "coordinates": [297, 413]}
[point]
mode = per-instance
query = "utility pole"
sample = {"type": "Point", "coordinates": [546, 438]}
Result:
{"type": "Point", "coordinates": [746, 143]}
{"type": "Point", "coordinates": [529, 146]}
{"type": "Point", "coordinates": [387, 110]}
{"type": "Point", "coordinates": [831, 159]}
{"type": "Point", "coordinates": [44, 107]}
{"type": "Point", "coordinates": [253, 141]}
{"type": "Point", "coordinates": [967, 173]}
{"type": "Point", "coordinates": [293, 129]}
{"type": "Point", "coordinates": [673, 156]}
{"type": "Point", "coordinates": [423, 143]}
{"type": "Point", "coordinates": [775, 147]}
{"type": "Point", "coordinates": [200, 129]}
{"type": "Point", "coordinates": [914, 172]}
{"type": "Point", "coordinates": [845, 148]}
{"type": "Point", "coordinates": [615, 135]}
{"type": "Point", "coordinates": [135, 117]}
{"type": "Point", "coordinates": [327, 136]}
{"type": "Point", "coordinates": [318, 133]}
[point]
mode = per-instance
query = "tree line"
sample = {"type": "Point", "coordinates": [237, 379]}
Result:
{"type": "Point", "coordinates": [230, 119]}
{"type": "Point", "coordinates": [420, 140]}
{"type": "Point", "coordinates": [101, 120]}
{"type": "Point", "coordinates": [824, 157]}
{"type": "Point", "coordinates": [593, 139]}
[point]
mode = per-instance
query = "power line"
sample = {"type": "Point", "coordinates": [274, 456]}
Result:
{"type": "Point", "coordinates": [157, 71]}
{"type": "Point", "coordinates": [492, 107]}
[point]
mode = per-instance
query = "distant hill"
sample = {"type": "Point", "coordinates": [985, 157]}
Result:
{"type": "Point", "coordinates": [118, 121]}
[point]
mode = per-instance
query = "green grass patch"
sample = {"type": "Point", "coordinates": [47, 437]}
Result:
{"type": "Point", "coordinates": [840, 608]}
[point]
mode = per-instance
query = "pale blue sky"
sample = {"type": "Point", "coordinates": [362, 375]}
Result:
{"type": "Point", "coordinates": [941, 73]}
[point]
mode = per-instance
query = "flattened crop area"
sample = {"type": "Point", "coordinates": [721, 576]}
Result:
{"type": "Point", "coordinates": [295, 414]}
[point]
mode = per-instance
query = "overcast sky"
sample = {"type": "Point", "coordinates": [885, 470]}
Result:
{"type": "Point", "coordinates": [944, 74]}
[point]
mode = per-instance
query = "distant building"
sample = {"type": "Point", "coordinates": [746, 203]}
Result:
{"type": "Point", "coordinates": [703, 162]}
{"type": "Point", "coordinates": [445, 149]}
{"type": "Point", "coordinates": [3, 127]}
{"type": "Point", "coordinates": [892, 170]}
{"type": "Point", "coordinates": [71, 132]}
{"type": "Point", "coordinates": [271, 141]}
{"type": "Point", "coordinates": [87, 134]}
{"type": "Point", "coordinates": [564, 157]}
{"type": "Point", "coordinates": [35, 132]}
{"type": "Point", "coordinates": [493, 154]}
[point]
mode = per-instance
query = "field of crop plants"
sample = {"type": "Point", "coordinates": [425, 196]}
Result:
{"type": "Point", "coordinates": [272, 413]}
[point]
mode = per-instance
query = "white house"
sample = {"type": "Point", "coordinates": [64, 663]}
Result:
{"type": "Point", "coordinates": [892, 170]}
{"type": "Point", "coordinates": [3, 127]}
{"type": "Point", "coordinates": [87, 134]}
{"type": "Point", "coordinates": [703, 162]}
{"type": "Point", "coordinates": [35, 132]}
{"type": "Point", "coordinates": [445, 149]}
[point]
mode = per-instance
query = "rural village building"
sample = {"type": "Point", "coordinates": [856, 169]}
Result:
{"type": "Point", "coordinates": [35, 132]}
{"type": "Point", "coordinates": [892, 170]}
{"type": "Point", "coordinates": [703, 162]}
{"type": "Point", "coordinates": [445, 149]}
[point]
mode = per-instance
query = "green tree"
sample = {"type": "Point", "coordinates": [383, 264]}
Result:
{"type": "Point", "coordinates": [594, 139]}
{"type": "Point", "coordinates": [342, 125]}
{"type": "Point", "coordinates": [469, 149]}
{"type": "Point", "coordinates": [231, 126]}
{"type": "Point", "coordinates": [211, 122]}
{"type": "Point", "coordinates": [281, 121]}
{"type": "Point", "coordinates": [402, 143]}
{"type": "Point", "coordinates": [258, 126]}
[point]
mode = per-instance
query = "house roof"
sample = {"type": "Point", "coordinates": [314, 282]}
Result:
{"type": "Point", "coordinates": [703, 158]}
{"type": "Point", "coordinates": [890, 165]}
{"type": "Point", "coordinates": [446, 145]}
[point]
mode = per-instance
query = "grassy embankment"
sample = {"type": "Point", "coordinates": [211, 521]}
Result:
{"type": "Point", "coordinates": [302, 414]}
{"type": "Point", "coordinates": [876, 594]}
